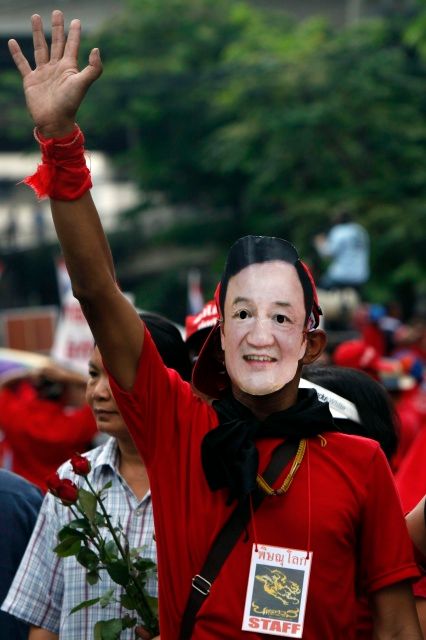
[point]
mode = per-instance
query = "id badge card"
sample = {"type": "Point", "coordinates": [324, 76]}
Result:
{"type": "Point", "coordinates": [277, 591]}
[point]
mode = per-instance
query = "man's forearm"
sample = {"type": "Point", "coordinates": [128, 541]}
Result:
{"type": "Point", "coordinates": [84, 245]}
{"type": "Point", "coordinates": [37, 633]}
{"type": "Point", "coordinates": [416, 526]}
{"type": "Point", "coordinates": [394, 613]}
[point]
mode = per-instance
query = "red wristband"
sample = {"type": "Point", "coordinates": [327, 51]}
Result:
{"type": "Point", "coordinates": [63, 173]}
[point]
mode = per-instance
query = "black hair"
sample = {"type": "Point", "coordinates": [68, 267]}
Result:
{"type": "Point", "coordinates": [257, 249]}
{"type": "Point", "coordinates": [377, 413]}
{"type": "Point", "coordinates": [169, 342]}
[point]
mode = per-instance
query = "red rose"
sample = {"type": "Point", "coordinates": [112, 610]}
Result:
{"type": "Point", "coordinates": [68, 492]}
{"type": "Point", "coordinates": [53, 482]}
{"type": "Point", "coordinates": [80, 464]}
{"type": "Point", "coordinates": [64, 489]}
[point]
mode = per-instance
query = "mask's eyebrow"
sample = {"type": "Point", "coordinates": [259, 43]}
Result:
{"type": "Point", "coordinates": [277, 303]}
{"type": "Point", "coordinates": [240, 299]}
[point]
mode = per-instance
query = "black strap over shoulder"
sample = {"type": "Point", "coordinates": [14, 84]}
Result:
{"type": "Point", "coordinates": [228, 537]}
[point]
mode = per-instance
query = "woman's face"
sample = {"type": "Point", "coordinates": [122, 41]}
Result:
{"type": "Point", "coordinates": [263, 333]}
{"type": "Point", "coordinates": [100, 398]}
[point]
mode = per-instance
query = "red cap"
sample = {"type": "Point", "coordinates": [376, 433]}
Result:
{"type": "Point", "coordinates": [360, 355]}
{"type": "Point", "coordinates": [206, 319]}
{"type": "Point", "coordinates": [356, 354]}
{"type": "Point", "coordinates": [209, 374]}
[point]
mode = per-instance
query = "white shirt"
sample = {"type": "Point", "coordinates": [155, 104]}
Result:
{"type": "Point", "coordinates": [348, 245]}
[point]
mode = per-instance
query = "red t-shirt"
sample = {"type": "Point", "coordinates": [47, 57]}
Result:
{"type": "Point", "coordinates": [411, 476]}
{"type": "Point", "coordinates": [41, 434]}
{"type": "Point", "coordinates": [357, 532]}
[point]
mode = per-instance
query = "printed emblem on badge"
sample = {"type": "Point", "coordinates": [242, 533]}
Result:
{"type": "Point", "coordinates": [277, 590]}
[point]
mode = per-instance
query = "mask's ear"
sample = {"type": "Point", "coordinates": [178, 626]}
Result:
{"type": "Point", "coordinates": [316, 341]}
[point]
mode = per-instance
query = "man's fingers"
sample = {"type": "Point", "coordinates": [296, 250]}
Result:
{"type": "Point", "coordinates": [41, 51]}
{"type": "Point", "coordinates": [93, 69]}
{"type": "Point", "coordinates": [58, 36]}
{"type": "Point", "coordinates": [73, 40]}
{"type": "Point", "coordinates": [19, 58]}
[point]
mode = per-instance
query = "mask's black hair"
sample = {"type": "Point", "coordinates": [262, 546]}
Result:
{"type": "Point", "coordinates": [257, 249]}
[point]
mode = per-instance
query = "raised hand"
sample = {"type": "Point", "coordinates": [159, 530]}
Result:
{"type": "Point", "coordinates": [56, 87]}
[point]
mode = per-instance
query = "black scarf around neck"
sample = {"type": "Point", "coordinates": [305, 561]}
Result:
{"type": "Point", "coordinates": [229, 454]}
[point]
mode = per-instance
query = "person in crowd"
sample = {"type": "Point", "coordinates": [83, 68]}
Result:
{"type": "Point", "coordinates": [375, 416]}
{"type": "Point", "coordinates": [19, 504]}
{"type": "Point", "coordinates": [377, 324]}
{"type": "Point", "coordinates": [198, 327]}
{"type": "Point", "coordinates": [291, 570]}
{"type": "Point", "coordinates": [364, 408]}
{"type": "Point", "coordinates": [400, 380]}
{"type": "Point", "coordinates": [44, 419]}
{"type": "Point", "coordinates": [347, 245]}
{"type": "Point", "coordinates": [416, 522]}
{"type": "Point", "coordinates": [46, 587]}
{"type": "Point", "coordinates": [411, 475]}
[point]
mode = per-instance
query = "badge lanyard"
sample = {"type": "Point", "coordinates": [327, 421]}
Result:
{"type": "Point", "coordinates": [278, 582]}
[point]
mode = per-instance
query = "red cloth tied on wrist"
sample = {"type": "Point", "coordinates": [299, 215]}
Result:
{"type": "Point", "coordinates": [63, 173]}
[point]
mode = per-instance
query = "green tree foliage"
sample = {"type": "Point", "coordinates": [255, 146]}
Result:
{"type": "Point", "coordinates": [270, 124]}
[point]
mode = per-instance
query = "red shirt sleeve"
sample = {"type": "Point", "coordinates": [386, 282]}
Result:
{"type": "Point", "coordinates": [160, 409]}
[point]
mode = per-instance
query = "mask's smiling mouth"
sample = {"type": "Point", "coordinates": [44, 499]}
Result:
{"type": "Point", "coordinates": [104, 412]}
{"type": "Point", "coordinates": [258, 358]}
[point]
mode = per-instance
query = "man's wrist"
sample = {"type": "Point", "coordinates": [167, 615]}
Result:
{"type": "Point", "coordinates": [63, 173]}
{"type": "Point", "coordinates": [57, 131]}
{"type": "Point", "coordinates": [66, 140]}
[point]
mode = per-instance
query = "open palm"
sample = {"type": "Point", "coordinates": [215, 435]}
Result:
{"type": "Point", "coordinates": [55, 88]}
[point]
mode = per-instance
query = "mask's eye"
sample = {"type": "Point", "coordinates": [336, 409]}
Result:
{"type": "Point", "coordinates": [242, 314]}
{"type": "Point", "coordinates": [280, 318]}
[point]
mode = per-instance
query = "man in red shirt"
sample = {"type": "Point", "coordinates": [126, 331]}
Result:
{"type": "Point", "coordinates": [44, 420]}
{"type": "Point", "coordinates": [319, 533]}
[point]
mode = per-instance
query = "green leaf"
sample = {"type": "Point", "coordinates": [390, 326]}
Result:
{"type": "Point", "coordinates": [85, 604]}
{"type": "Point", "coordinates": [153, 604]}
{"type": "Point", "coordinates": [87, 558]}
{"type": "Point", "coordinates": [119, 572]}
{"type": "Point", "coordinates": [144, 564]}
{"type": "Point", "coordinates": [100, 520]}
{"type": "Point", "coordinates": [108, 629]}
{"type": "Point", "coordinates": [107, 597]}
{"type": "Point", "coordinates": [92, 577]}
{"type": "Point", "coordinates": [80, 523]}
{"type": "Point", "coordinates": [106, 486]}
{"type": "Point", "coordinates": [69, 531]}
{"type": "Point", "coordinates": [128, 622]}
{"type": "Point", "coordinates": [128, 602]}
{"type": "Point", "coordinates": [109, 552]}
{"type": "Point", "coordinates": [68, 547]}
{"type": "Point", "coordinates": [87, 502]}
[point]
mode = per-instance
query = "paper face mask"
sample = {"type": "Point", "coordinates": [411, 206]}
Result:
{"type": "Point", "coordinates": [263, 331]}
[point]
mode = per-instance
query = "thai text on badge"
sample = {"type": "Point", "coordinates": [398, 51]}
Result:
{"type": "Point", "coordinates": [277, 591]}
